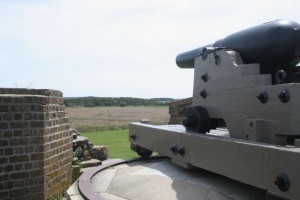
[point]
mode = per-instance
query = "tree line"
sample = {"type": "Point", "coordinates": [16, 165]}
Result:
{"type": "Point", "coordinates": [112, 101]}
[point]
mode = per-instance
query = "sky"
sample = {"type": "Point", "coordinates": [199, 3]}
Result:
{"type": "Point", "coordinates": [118, 48]}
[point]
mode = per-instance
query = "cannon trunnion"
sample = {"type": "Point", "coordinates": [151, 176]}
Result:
{"type": "Point", "coordinates": [244, 122]}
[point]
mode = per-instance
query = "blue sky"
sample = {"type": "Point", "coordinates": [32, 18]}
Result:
{"type": "Point", "coordinates": [118, 48]}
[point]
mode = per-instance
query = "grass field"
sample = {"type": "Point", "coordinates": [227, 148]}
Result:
{"type": "Point", "coordinates": [109, 125]}
{"type": "Point", "coordinates": [117, 142]}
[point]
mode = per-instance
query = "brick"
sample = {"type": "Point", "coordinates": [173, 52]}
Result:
{"type": "Point", "coordinates": [4, 177]}
{"type": "Point", "coordinates": [1, 186]}
{"type": "Point", "coordinates": [9, 151]}
{"type": "Point", "coordinates": [37, 124]}
{"type": "Point", "coordinates": [19, 192]}
{"type": "Point", "coordinates": [19, 175]}
{"type": "Point", "coordinates": [18, 167]}
{"type": "Point", "coordinates": [36, 108]}
{"type": "Point", "coordinates": [9, 185]}
{"type": "Point", "coordinates": [3, 194]}
{"type": "Point", "coordinates": [19, 108]}
{"type": "Point", "coordinates": [15, 125]}
{"type": "Point", "coordinates": [18, 133]}
{"type": "Point", "coordinates": [7, 117]}
{"type": "Point", "coordinates": [35, 196]}
{"type": "Point", "coordinates": [36, 189]}
{"type": "Point", "coordinates": [19, 150]}
{"type": "Point", "coordinates": [23, 158]}
{"type": "Point", "coordinates": [18, 116]}
{"type": "Point", "coordinates": [36, 173]}
{"type": "Point", "coordinates": [28, 149]}
{"type": "Point", "coordinates": [28, 116]}
{"type": "Point", "coordinates": [19, 183]}
{"type": "Point", "coordinates": [3, 125]}
{"type": "Point", "coordinates": [37, 156]}
{"type": "Point", "coordinates": [37, 140]}
{"type": "Point", "coordinates": [3, 108]}
{"type": "Point", "coordinates": [19, 141]}
{"type": "Point", "coordinates": [8, 134]}
{"type": "Point", "coordinates": [28, 166]}
{"type": "Point", "coordinates": [3, 160]}
{"type": "Point", "coordinates": [3, 143]}
{"type": "Point", "coordinates": [8, 168]}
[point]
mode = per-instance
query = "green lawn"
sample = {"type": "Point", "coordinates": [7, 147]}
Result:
{"type": "Point", "coordinates": [116, 141]}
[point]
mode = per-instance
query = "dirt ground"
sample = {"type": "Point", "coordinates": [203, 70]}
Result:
{"type": "Point", "coordinates": [113, 118]}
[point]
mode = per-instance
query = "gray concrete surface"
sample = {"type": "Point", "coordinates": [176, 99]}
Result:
{"type": "Point", "coordinates": [160, 179]}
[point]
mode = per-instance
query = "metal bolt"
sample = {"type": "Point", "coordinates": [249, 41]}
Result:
{"type": "Point", "coordinates": [284, 96]}
{"type": "Point", "coordinates": [282, 182]}
{"type": "Point", "coordinates": [181, 150]}
{"type": "Point", "coordinates": [204, 77]}
{"type": "Point", "coordinates": [133, 136]}
{"type": "Point", "coordinates": [173, 148]}
{"type": "Point", "coordinates": [203, 94]}
{"type": "Point", "coordinates": [263, 97]}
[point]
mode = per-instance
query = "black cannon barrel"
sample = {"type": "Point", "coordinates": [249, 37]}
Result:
{"type": "Point", "coordinates": [273, 45]}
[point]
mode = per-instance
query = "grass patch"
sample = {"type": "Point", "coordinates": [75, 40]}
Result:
{"type": "Point", "coordinates": [117, 142]}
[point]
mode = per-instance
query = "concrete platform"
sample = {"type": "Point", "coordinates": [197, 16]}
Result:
{"type": "Point", "coordinates": [157, 179]}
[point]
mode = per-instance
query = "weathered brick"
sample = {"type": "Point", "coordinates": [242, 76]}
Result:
{"type": "Point", "coordinates": [18, 116]}
{"type": "Point", "coordinates": [36, 173]}
{"type": "Point", "coordinates": [19, 183]}
{"type": "Point", "coordinates": [18, 167]}
{"type": "Point", "coordinates": [8, 168]}
{"type": "Point", "coordinates": [36, 108]}
{"type": "Point", "coordinates": [19, 108]}
{"type": "Point", "coordinates": [16, 125]}
{"type": "Point", "coordinates": [7, 117]}
{"type": "Point", "coordinates": [3, 125]}
{"type": "Point", "coordinates": [18, 133]}
{"type": "Point", "coordinates": [7, 134]}
{"type": "Point", "coordinates": [19, 141]}
{"type": "Point", "coordinates": [28, 149]}
{"type": "Point", "coordinates": [35, 196]}
{"type": "Point", "coordinates": [3, 143]}
{"type": "Point", "coordinates": [3, 160]}
{"type": "Point", "coordinates": [9, 151]}
{"type": "Point", "coordinates": [28, 116]}
{"type": "Point", "coordinates": [19, 175]}
{"type": "Point", "coordinates": [3, 194]}
{"type": "Point", "coordinates": [19, 192]}
{"type": "Point", "coordinates": [4, 177]}
{"type": "Point", "coordinates": [36, 189]}
{"type": "Point", "coordinates": [37, 140]}
{"type": "Point", "coordinates": [9, 185]}
{"type": "Point", "coordinates": [3, 108]}
{"type": "Point", "coordinates": [28, 166]}
{"type": "Point", "coordinates": [1, 186]}
{"type": "Point", "coordinates": [23, 158]}
{"type": "Point", "coordinates": [37, 156]}
{"type": "Point", "coordinates": [19, 150]}
{"type": "Point", "coordinates": [37, 124]}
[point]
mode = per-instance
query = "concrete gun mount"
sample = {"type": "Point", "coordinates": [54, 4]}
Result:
{"type": "Point", "coordinates": [249, 85]}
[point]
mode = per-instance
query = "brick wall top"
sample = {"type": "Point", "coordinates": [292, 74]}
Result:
{"type": "Point", "coordinates": [24, 91]}
{"type": "Point", "coordinates": [180, 102]}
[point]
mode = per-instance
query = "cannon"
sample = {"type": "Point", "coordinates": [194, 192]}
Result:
{"type": "Point", "coordinates": [244, 121]}
{"type": "Point", "coordinates": [249, 83]}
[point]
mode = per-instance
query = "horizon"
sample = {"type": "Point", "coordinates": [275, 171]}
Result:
{"type": "Point", "coordinates": [113, 48]}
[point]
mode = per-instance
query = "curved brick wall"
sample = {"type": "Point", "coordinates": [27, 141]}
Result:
{"type": "Point", "coordinates": [35, 144]}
